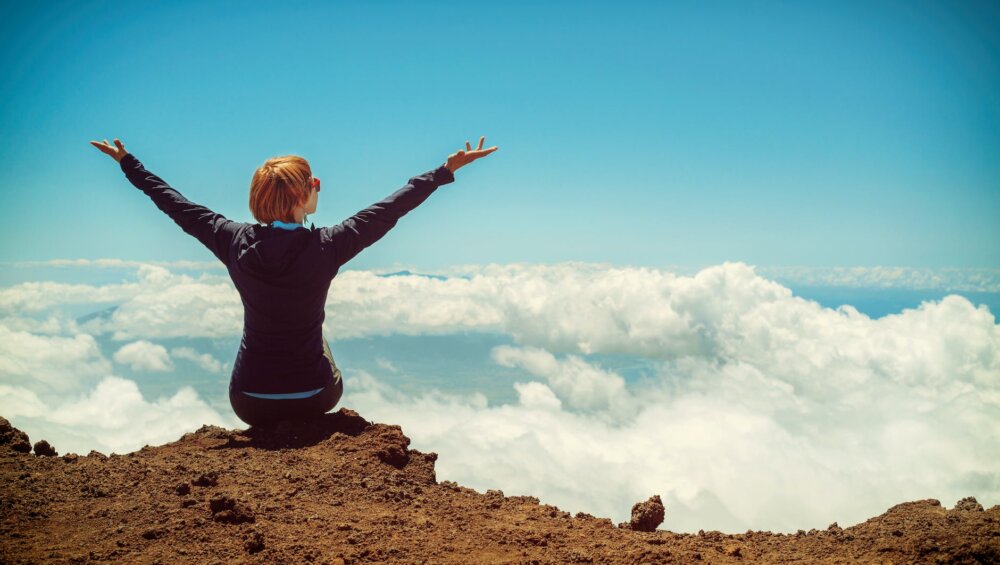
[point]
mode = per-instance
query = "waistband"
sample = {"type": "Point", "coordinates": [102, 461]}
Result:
{"type": "Point", "coordinates": [285, 395]}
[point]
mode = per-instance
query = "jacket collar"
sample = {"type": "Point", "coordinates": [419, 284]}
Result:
{"type": "Point", "coordinates": [285, 225]}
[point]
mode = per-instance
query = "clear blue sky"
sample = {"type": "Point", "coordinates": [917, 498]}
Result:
{"type": "Point", "coordinates": [792, 133]}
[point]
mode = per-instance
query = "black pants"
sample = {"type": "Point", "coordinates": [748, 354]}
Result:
{"type": "Point", "coordinates": [264, 411]}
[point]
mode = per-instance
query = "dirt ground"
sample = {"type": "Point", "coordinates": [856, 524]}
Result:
{"type": "Point", "coordinates": [340, 489]}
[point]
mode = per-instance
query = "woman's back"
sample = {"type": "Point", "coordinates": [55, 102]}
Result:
{"type": "Point", "coordinates": [283, 278]}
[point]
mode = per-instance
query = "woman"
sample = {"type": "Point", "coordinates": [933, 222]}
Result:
{"type": "Point", "coordinates": [282, 270]}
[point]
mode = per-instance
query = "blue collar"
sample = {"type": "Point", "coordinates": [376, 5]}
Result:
{"type": "Point", "coordinates": [285, 225]}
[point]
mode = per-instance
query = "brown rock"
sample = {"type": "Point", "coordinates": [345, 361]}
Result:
{"type": "Point", "coordinates": [209, 479]}
{"type": "Point", "coordinates": [227, 510]}
{"type": "Point", "coordinates": [43, 449]}
{"type": "Point", "coordinates": [970, 504]}
{"type": "Point", "coordinates": [390, 445]}
{"type": "Point", "coordinates": [254, 542]}
{"type": "Point", "coordinates": [15, 438]}
{"type": "Point", "coordinates": [646, 516]}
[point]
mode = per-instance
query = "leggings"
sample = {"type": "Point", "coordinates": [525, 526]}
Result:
{"type": "Point", "coordinates": [265, 411]}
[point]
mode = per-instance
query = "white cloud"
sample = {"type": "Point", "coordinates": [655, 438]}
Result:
{"type": "Point", "coordinates": [203, 360]}
{"type": "Point", "coordinates": [144, 356]}
{"type": "Point", "coordinates": [952, 279]}
{"type": "Point", "coordinates": [361, 303]}
{"type": "Point", "coordinates": [577, 382]}
{"type": "Point", "coordinates": [112, 417]}
{"type": "Point", "coordinates": [537, 395]}
{"type": "Point", "coordinates": [62, 389]}
{"type": "Point", "coordinates": [765, 411]}
{"type": "Point", "coordinates": [52, 324]}
{"type": "Point", "coordinates": [19, 401]}
{"type": "Point", "coordinates": [164, 308]}
{"type": "Point", "coordinates": [49, 363]}
{"type": "Point", "coordinates": [37, 296]}
{"type": "Point", "coordinates": [158, 305]}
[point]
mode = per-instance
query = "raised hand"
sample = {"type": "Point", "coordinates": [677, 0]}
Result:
{"type": "Point", "coordinates": [116, 152]}
{"type": "Point", "coordinates": [463, 158]}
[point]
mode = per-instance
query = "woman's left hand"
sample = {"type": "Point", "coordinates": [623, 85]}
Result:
{"type": "Point", "coordinates": [116, 153]}
{"type": "Point", "coordinates": [462, 158]}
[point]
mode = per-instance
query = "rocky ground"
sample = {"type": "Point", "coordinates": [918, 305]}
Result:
{"type": "Point", "coordinates": [340, 489]}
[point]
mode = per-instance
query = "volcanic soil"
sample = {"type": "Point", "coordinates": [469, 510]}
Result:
{"type": "Point", "coordinates": [341, 489]}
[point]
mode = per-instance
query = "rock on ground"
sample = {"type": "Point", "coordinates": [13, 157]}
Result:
{"type": "Point", "coordinates": [13, 438]}
{"type": "Point", "coordinates": [646, 516]}
{"type": "Point", "coordinates": [43, 449]}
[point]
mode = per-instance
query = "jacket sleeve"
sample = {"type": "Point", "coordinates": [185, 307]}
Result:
{"type": "Point", "coordinates": [213, 230]}
{"type": "Point", "coordinates": [345, 240]}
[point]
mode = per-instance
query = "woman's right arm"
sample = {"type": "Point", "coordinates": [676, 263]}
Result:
{"type": "Point", "coordinates": [343, 242]}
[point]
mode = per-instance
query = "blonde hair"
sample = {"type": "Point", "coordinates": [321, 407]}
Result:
{"type": "Point", "coordinates": [279, 185]}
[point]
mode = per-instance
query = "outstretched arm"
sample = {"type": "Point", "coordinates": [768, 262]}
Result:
{"type": "Point", "coordinates": [213, 230]}
{"type": "Point", "coordinates": [345, 240]}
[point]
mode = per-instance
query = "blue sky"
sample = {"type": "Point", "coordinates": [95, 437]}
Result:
{"type": "Point", "coordinates": [810, 134]}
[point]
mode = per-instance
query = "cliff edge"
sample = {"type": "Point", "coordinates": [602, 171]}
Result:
{"type": "Point", "coordinates": [341, 489]}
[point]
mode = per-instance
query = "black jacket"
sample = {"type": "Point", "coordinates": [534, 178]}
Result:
{"type": "Point", "coordinates": [283, 276]}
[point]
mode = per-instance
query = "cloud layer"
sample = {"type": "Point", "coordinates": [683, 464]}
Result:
{"type": "Point", "coordinates": [764, 411]}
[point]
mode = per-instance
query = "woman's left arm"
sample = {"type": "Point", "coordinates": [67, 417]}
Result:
{"type": "Point", "coordinates": [213, 230]}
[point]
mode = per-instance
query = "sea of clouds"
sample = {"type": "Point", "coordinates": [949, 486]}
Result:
{"type": "Point", "coordinates": [765, 410]}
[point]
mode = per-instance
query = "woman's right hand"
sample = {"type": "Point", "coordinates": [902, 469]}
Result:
{"type": "Point", "coordinates": [463, 158]}
{"type": "Point", "coordinates": [116, 152]}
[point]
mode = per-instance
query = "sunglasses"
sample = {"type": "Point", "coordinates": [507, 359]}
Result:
{"type": "Point", "coordinates": [315, 183]}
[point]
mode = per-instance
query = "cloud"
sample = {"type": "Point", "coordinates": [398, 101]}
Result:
{"type": "Point", "coordinates": [61, 388]}
{"type": "Point", "coordinates": [951, 279]}
{"type": "Point", "coordinates": [52, 324]}
{"type": "Point", "coordinates": [157, 305]}
{"type": "Point", "coordinates": [144, 356]}
{"type": "Point", "coordinates": [580, 384]}
{"type": "Point", "coordinates": [537, 395]}
{"type": "Point", "coordinates": [162, 308]}
{"type": "Point", "coordinates": [49, 364]}
{"type": "Point", "coordinates": [19, 401]}
{"type": "Point", "coordinates": [38, 296]}
{"type": "Point", "coordinates": [203, 360]}
{"type": "Point", "coordinates": [362, 303]}
{"type": "Point", "coordinates": [113, 417]}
